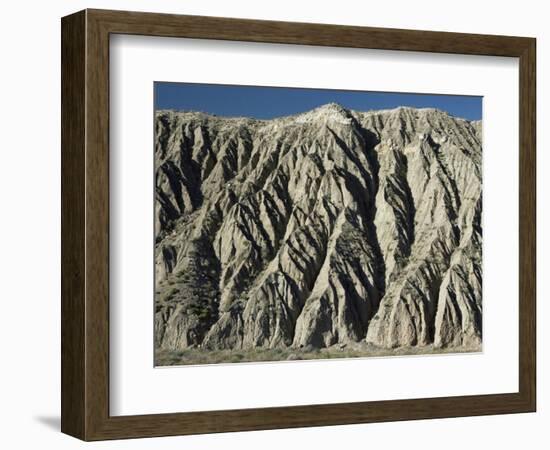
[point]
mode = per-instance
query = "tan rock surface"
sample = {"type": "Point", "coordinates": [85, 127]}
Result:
{"type": "Point", "coordinates": [328, 227]}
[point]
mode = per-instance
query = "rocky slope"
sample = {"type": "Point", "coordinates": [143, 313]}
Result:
{"type": "Point", "coordinates": [328, 227]}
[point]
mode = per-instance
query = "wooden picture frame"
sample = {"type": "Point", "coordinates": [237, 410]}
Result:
{"type": "Point", "coordinates": [85, 224]}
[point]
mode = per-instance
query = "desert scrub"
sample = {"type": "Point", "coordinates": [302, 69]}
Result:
{"type": "Point", "coordinates": [200, 356]}
{"type": "Point", "coordinates": [171, 293]}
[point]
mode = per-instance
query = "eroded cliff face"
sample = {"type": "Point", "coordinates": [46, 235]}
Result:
{"type": "Point", "coordinates": [328, 227]}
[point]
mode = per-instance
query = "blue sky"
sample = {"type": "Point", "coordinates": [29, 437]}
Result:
{"type": "Point", "coordinates": [268, 102]}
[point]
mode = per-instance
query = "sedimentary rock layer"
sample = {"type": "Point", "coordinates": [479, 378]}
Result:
{"type": "Point", "coordinates": [324, 228]}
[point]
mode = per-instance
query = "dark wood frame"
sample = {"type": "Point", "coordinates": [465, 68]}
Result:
{"type": "Point", "coordinates": [85, 224]}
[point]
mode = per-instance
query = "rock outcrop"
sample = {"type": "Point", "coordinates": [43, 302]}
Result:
{"type": "Point", "coordinates": [328, 227]}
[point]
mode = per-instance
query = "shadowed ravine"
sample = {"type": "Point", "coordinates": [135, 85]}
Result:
{"type": "Point", "coordinates": [328, 229]}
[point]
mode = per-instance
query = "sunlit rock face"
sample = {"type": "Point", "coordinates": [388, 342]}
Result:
{"type": "Point", "coordinates": [329, 227]}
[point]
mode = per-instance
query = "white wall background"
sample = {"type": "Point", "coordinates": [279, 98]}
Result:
{"type": "Point", "coordinates": [30, 225]}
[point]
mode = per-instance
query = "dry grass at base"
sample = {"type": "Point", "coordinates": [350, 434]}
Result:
{"type": "Point", "coordinates": [197, 356]}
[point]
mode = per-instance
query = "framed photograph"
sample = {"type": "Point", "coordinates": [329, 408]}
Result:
{"type": "Point", "coordinates": [273, 225]}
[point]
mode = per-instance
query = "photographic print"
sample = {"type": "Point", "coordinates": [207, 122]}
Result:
{"type": "Point", "coordinates": [297, 223]}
